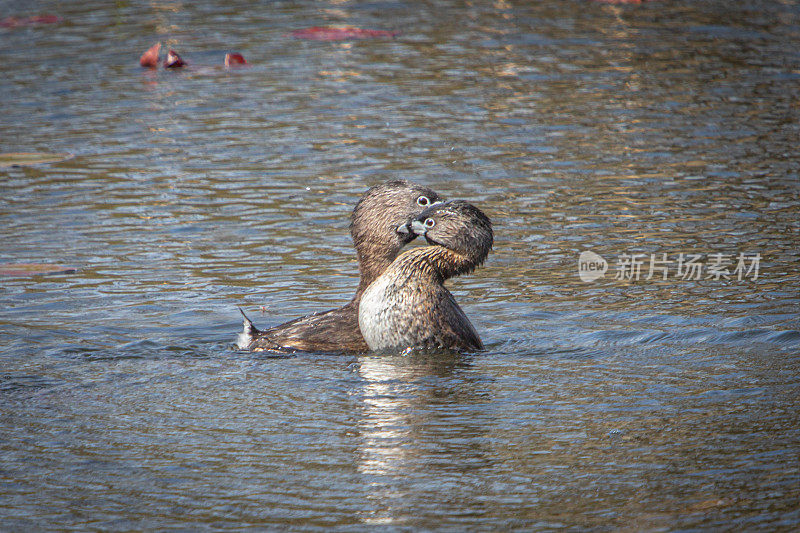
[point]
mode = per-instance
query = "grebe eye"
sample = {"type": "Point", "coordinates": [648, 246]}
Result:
{"type": "Point", "coordinates": [423, 201]}
{"type": "Point", "coordinates": [429, 223]}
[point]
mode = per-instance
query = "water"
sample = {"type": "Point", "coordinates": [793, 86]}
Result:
{"type": "Point", "coordinates": [665, 128]}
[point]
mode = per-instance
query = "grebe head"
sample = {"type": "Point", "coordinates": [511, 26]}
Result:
{"type": "Point", "coordinates": [380, 215]}
{"type": "Point", "coordinates": [378, 223]}
{"type": "Point", "coordinates": [458, 226]}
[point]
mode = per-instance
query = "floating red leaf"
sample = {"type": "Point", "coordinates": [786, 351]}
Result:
{"type": "Point", "coordinates": [149, 59]}
{"type": "Point", "coordinates": [341, 33]}
{"type": "Point", "coordinates": [234, 59]}
{"type": "Point", "coordinates": [173, 60]}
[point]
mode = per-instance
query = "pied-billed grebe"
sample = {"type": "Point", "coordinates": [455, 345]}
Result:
{"type": "Point", "coordinates": [408, 306]}
{"type": "Point", "coordinates": [374, 227]}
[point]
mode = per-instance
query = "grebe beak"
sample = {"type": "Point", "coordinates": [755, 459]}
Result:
{"type": "Point", "coordinates": [418, 227]}
{"type": "Point", "coordinates": [403, 228]}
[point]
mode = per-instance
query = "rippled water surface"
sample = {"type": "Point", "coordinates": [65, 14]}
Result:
{"type": "Point", "coordinates": [665, 128]}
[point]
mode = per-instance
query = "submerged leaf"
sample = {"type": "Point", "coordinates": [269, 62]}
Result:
{"type": "Point", "coordinates": [18, 270]}
{"type": "Point", "coordinates": [340, 33]}
{"type": "Point", "coordinates": [20, 159]}
{"type": "Point", "coordinates": [15, 22]}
